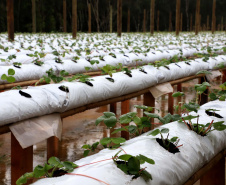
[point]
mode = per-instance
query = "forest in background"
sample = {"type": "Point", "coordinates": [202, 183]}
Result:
{"type": "Point", "coordinates": [49, 14]}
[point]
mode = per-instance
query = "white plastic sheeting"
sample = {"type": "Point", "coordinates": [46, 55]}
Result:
{"type": "Point", "coordinates": [48, 99]}
{"type": "Point", "coordinates": [169, 169]}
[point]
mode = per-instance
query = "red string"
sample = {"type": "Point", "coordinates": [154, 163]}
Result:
{"type": "Point", "coordinates": [88, 177]}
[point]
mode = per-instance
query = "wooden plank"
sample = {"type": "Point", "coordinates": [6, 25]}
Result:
{"type": "Point", "coordinates": [196, 176]}
{"type": "Point", "coordinates": [128, 21]}
{"type": "Point", "coordinates": [197, 17]}
{"type": "Point", "coordinates": [52, 147]}
{"type": "Point", "coordinates": [64, 16]}
{"type": "Point", "coordinates": [119, 18]}
{"type": "Point", "coordinates": [113, 108]}
{"type": "Point", "coordinates": [144, 21]}
{"type": "Point", "coordinates": [33, 16]}
{"type": "Point", "coordinates": [152, 16]}
{"type": "Point", "coordinates": [10, 19]}
{"type": "Point", "coordinates": [125, 108]}
{"type": "Point", "coordinates": [89, 18]}
{"type": "Point", "coordinates": [74, 19]}
{"type": "Point", "coordinates": [178, 17]}
{"type": "Point", "coordinates": [215, 175]}
{"type": "Point", "coordinates": [21, 160]}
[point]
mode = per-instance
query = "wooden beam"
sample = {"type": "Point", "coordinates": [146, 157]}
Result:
{"type": "Point", "coordinates": [21, 160]}
{"type": "Point", "coordinates": [197, 17]}
{"type": "Point", "coordinates": [196, 176]}
{"type": "Point", "coordinates": [10, 19]}
{"type": "Point", "coordinates": [119, 18]}
{"type": "Point", "coordinates": [65, 16]}
{"type": "Point", "coordinates": [144, 21]}
{"type": "Point", "coordinates": [33, 16]}
{"type": "Point", "coordinates": [152, 16]}
{"type": "Point", "coordinates": [125, 108]}
{"type": "Point", "coordinates": [89, 18]}
{"type": "Point", "coordinates": [214, 17]}
{"type": "Point", "coordinates": [74, 19]}
{"type": "Point", "coordinates": [178, 17]}
{"type": "Point", "coordinates": [52, 147]}
{"type": "Point", "coordinates": [128, 21]}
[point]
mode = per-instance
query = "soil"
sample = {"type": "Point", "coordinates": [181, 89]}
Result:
{"type": "Point", "coordinates": [172, 148]}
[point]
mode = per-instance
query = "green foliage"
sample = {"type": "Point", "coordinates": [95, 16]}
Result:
{"type": "Point", "coordinates": [89, 148]}
{"type": "Point", "coordinates": [9, 77]}
{"type": "Point", "coordinates": [47, 170]}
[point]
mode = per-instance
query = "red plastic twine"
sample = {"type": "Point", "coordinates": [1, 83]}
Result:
{"type": "Point", "coordinates": [88, 177]}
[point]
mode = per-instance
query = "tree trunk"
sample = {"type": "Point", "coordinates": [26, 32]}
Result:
{"type": "Point", "coordinates": [158, 21]}
{"type": "Point", "coordinates": [207, 23]}
{"type": "Point", "coordinates": [191, 24]}
{"type": "Point", "coordinates": [222, 23]}
{"type": "Point", "coordinates": [214, 17]}
{"type": "Point", "coordinates": [10, 19]}
{"type": "Point", "coordinates": [89, 17]}
{"type": "Point", "coordinates": [119, 18]}
{"type": "Point", "coordinates": [128, 21]}
{"type": "Point", "coordinates": [33, 16]}
{"type": "Point", "coordinates": [178, 18]}
{"type": "Point", "coordinates": [65, 15]}
{"type": "Point", "coordinates": [170, 21]}
{"type": "Point", "coordinates": [74, 18]}
{"type": "Point", "coordinates": [197, 17]}
{"type": "Point", "coordinates": [152, 16]}
{"type": "Point", "coordinates": [187, 13]}
{"type": "Point", "coordinates": [181, 22]}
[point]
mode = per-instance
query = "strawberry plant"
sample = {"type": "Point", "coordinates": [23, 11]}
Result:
{"type": "Point", "coordinates": [9, 77]}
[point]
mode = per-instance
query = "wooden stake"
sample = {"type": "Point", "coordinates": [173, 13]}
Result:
{"type": "Point", "coordinates": [113, 108]}
{"type": "Point", "coordinates": [191, 24]}
{"type": "Point", "coordinates": [74, 18]}
{"type": "Point", "coordinates": [21, 160]}
{"type": "Point", "coordinates": [119, 18]}
{"type": "Point", "coordinates": [89, 18]}
{"type": "Point", "coordinates": [10, 19]}
{"type": "Point", "coordinates": [125, 108]}
{"type": "Point", "coordinates": [215, 175]}
{"type": "Point", "coordinates": [110, 18]}
{"type": "Point", "coordinates": [158, 21]}
{"type": "Point", "coordinates": [33, 16]}
{"type": "Point", "coordinates": [52, 147]}
{"type": "Point", "coordinates": [144, 21]}
{"type": "Point", "coordinates": [197, 17]}
{"type": "Point", "coordinates": [178, 18]}
{"type": "Point", "coordinates": [181, 22]}
{"type": "Point", "coordinates": [128, 21]}
{"type": "Point", "coordinates": [214, 17]}
{"type": "Point", "coordinates": [170, 21]}
{"type": "Point", "coordinates": [149, 100]}
{"type": "Point", "coordinates": [152, 16]}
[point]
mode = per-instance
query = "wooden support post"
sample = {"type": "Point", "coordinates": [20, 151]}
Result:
{"type": "Point", "coordinates": [224, 76]}
{"type": "Point", "coordinates": [191, 24]}
{"type": "Point", "coordinates": [111, 19]}
{"type": "Point", "coordinates": [74, 18]}
{"type": "Point", "coordinates": [149, 100]}
{"type": "Point", "coordinates": [179, 99]}
{"type": "Point", "coordinates": [119, 18]}
{"type": "Point", "coordinates": [222, 23]}
{"type": "Point", "coordinates": [181, 22]}
{"type": "Point", "coordinates": [152, 16]}
{"type": "Point", "coordinates": [207, 23]}
{"type": "Point", "coordinates": [89, 17]}
{"type": "Point", "coordinates": [197, 17]}
{"type": "Point", "coordinates": [204, 96]}
{"type": "Point", "coordinates": [21, 160]}
{"type": "Point", "coordinates": [128, 21]}
{"type": "Point", "coordinates": [158, 21]}
{"type": "Point", "coordinates": [170, 103]}
{"type": "Point", "coordinates": [33, 16]}
{"type": "Point", "coordinates": [170, 21]}
{"type": "Point", "coordinates": [10, 19]}
{"type": "Point", "coordinates": [178, 18]}
{"type": "Point", "coordinates": [125, 108]}
{"type": "Point", "coordinates": [52, 147]}
{"type": "Point", "coordinates": [214, 17]}
{"type": "Point", "coordinates": [65, 16]}
{"type": "Point", "coordinates": [144, 21]}
{"type": "Point", "coordinates": [216, 175]}
{"type": "Point", "coordinates": [113, 108]}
